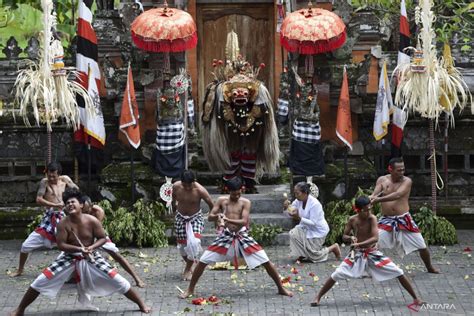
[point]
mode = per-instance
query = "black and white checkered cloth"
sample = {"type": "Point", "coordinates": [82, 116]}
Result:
{"type": "Point", "coordinates": [63, 262]}
{"type": "Point", "coordinates": [49, 222]}
{"type": "Point", "coordinates": [196, 221]}
{"type": "Point", "coordinates": [190, 112]}
{"type": "Point", "coordinates": [225, 240]}
{"type": "Point", "coordinates": [283, 107]}
{"type": "Point", "coordinates": [169, 137]}
{"type": "Point", "coordinates": [306, 132]}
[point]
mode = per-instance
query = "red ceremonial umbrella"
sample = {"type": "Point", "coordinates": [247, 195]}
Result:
{"type": "Point", "coordinates": [165, 30]}
{"type": "Point", "coordinates": [312, 31]}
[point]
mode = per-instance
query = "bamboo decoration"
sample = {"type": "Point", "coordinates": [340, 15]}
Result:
{"type": "Point", "coordinates": [429, 86]}
{"type": "Point", "coordinates": [45, 86]}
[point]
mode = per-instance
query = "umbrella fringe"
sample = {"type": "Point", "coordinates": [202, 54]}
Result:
{"type": "Point", "coordinates": [311, 48]}
{"type": "Point", "coordinates": [177, 45]}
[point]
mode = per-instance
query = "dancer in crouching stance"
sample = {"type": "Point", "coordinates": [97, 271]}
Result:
{"type": "Point", "coordinates": [109, 246]}
{"type": "Point", "coordinates": [364, 256]}
{"type": "Point", "coordinates": [79, 235]}
{"type": "Point", "coordinates": [234, 242]}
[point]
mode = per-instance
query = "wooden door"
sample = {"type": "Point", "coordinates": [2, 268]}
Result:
{"type": "Point", "coordinates": [255, 27]}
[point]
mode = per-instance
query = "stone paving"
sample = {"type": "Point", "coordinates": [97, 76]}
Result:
{"type": "Point", "coordinates": [253, 292]}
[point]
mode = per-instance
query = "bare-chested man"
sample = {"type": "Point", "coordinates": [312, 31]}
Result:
{"type": "Point", "coordinates": [364, 256]}
{"type": "Point", "coordinates": [189, 224]}
{"type": "Point", "coordinates": [234, 242]}
{"type": "Point", "coordinates": [109, 246]}
{"type": "Point", "coordinates": [79, 236]}
{"type": "Point", "coordinates": [49, 195]}
{"type": "Point", "coordinates": [396, 227]}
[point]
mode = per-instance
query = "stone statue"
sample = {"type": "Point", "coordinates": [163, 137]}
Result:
{"type": "Point", "coordinates": [12, 51]}
{"type": "Point", "coordinates": [32, 50]}
{"type": "Point", "coordinates": [105, 5]}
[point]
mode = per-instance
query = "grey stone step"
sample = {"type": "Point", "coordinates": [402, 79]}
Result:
{"type": "Point", "coordinates": [280, 220]}
{"type": "Point", "coordinates": [268, 200]}
{"type": "Point", "coordinates": [282, 239]}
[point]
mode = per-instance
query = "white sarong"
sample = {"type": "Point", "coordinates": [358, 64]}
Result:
{"type": "Point", "coordinates": [400, 232]}
{"type": "Point", "coordinates": [370, 261]}
{"type": "Point", "coordinates": [94, 279]}
{"type": "Point", "coordinates": [229, 246]}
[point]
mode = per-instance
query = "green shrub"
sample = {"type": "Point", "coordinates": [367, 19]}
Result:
{"type": "Point", "coordinates": [337, 214]}
{"type": "Point", "coordinates": [264, 234]}
{"type": "Point", "coordinates": [140, 226]}
{"type": "Point", "coordinates": [32, 226]}
{"type": "Point", "coordinates": [436, 230]}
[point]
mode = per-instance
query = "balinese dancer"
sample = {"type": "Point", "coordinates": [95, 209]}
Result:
{"type": "Point", "coordinates": [396, 227]}
{"type": "Point", "coordinates": [364, 256]}
{"type": "Point", "coordinates": [189, 224]}
{"type": "Point", "coordinates": [49, 195]}
{"type": "Point", "coordinates": [239, 133]}
{"type": "Point", "coordinates": [235, 241]}
{"type": "Point", "coordinates": [98, 212]}
{"type": "Point", "coordinates": [79, 236]}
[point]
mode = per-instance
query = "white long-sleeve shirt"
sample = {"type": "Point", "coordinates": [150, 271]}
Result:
{"type": "Point", "coordinates": [312, 217]}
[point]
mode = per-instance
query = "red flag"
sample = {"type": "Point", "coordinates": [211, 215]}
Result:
{"type": "Point", "coordinates": [129, 115]}
{"type": "Point", "coordinates": [344, 124]}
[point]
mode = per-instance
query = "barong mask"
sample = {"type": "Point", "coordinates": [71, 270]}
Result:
{"type": "Point", "coordinates": [169, 104]}
{"type": "Point", "coordinates": [306, 107]}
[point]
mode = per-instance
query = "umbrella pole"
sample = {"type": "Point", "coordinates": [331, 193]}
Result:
{"type": "Point", "coordinates": [433, 167]}
{"type": "Point", "coordinates": [186, 129]}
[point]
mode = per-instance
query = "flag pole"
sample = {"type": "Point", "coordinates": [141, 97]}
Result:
{"type": "Point", "coordinates": [132, 174]}
{"type": "Point", "coordinates": [89, 164]}
{"type": "Point", "coordinates": [346, 174]}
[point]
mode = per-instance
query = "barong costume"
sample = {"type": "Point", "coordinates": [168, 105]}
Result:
{"type": "Point", "coordinates": [307, 238]}
{"type": "Point", "coordinates": [400, 232]}
{"type": "Point", "coordinates": [45, 234]}
{"type": "Point", "coordinates": [188, 230]}
{"type": "Point", "coordinates": [97, 278]}
{"type": "Point", "coordinates": [239, 133]}
{"type": "Point", "coordinates": [370, 261]}
{"type": "Point", "coordinates": [229, 246]}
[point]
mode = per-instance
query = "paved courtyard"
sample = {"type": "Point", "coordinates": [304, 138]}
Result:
{"type": "Point", "coordinates": [245, 292]}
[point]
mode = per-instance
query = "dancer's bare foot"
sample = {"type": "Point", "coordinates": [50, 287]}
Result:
{"type": "Point", "coordinates": [17, 273]}
{"type": "Point", "coordinates": [285, 292]}
{"type": "Point", "coordinates": [315, 302]}
{"type": "Point", "coordinates": [186, 294]}
{"type": "Point", "coordinates": [433, 270]}
{"type": "Point", "coordinates": [187, 275]}
{"type": "Point", "coordinates": [139, 282]}
{"type": "Point", "coordinates": [145, 309]}
{"type": "Point", "coordinates": [337, 251]}
{"type": "Point", "coordinates": [419, 302]}
{"type": "Point", "coordinates": [16, 312]}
